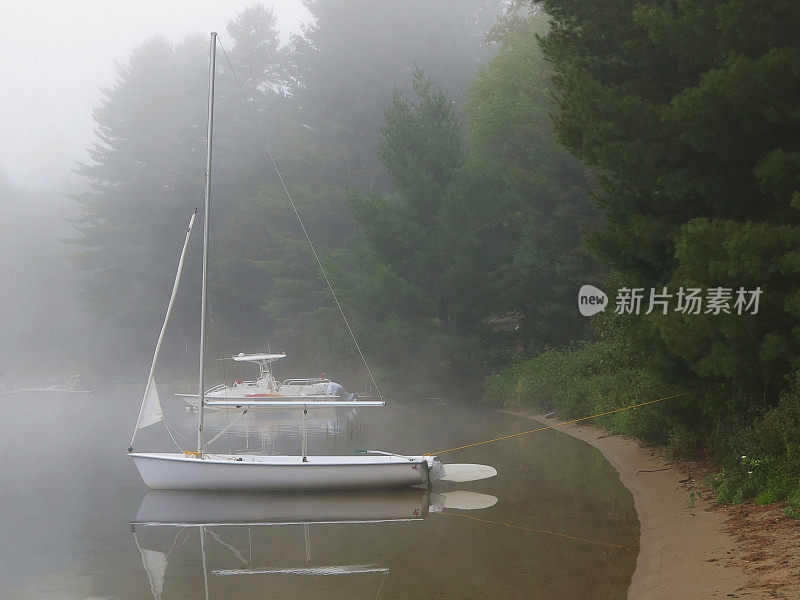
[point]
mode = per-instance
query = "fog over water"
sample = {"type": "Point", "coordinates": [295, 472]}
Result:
{"type": "Point", "coordinates": [562, 526]}
{"type": "Point", "coordinates": [45, 334]}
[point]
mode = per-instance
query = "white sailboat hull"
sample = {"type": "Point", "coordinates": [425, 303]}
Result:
{"type": "Point", "coordinates": [172, 471]}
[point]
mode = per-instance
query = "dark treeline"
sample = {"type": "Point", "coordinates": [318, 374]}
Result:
{"type": "Point", "coordinates": [688, 115]}
{"type": "Point", "coordinates": [318, 104]}
{"type": "Point", "coordinates": [464, 167]}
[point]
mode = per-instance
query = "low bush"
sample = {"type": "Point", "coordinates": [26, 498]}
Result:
{"type": "Point", "coordinates": [758, 449]}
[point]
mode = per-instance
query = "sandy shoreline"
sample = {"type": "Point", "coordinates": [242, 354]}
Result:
{"type": "Point", "coordinates": [701, 551]}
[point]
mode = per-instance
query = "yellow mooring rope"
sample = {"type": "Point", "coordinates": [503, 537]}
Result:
{"type": "Point", "coordinates": [513, 435]}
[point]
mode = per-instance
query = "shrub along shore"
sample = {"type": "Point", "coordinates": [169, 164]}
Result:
{"type": "Point", "coordinates": [757, 451]}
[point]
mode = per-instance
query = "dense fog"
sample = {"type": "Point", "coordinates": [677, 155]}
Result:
{"type": "Point", "coordinates": [587, 210]}
{"type": "Point", "coordinates": [100, 178]}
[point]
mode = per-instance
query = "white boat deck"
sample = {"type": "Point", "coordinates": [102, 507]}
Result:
{"type": "Point", "coordinates": [278, 460]}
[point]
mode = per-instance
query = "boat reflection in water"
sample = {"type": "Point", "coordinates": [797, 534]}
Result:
{"type": "Point", "coordinates": [206, 510]}
{"type": "Point", "coordinates": [273, 431]}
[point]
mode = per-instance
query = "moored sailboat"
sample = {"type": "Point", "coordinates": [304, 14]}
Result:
{"type": "Point", "coordinates": [200, 470]}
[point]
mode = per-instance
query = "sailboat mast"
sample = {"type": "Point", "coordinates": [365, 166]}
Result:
{"type": "Point", "coordinates": [201, 385]}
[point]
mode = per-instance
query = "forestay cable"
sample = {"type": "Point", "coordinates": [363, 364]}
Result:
{"type": "Point", "coordinates": [305, 232]}
{"type": "Point", "coordinates": [226, 428]}
{"type": "Point", "coordinates": [324, 274]}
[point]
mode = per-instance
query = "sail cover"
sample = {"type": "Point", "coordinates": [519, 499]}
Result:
{"type": "Point", "coordinates": [151, 409]}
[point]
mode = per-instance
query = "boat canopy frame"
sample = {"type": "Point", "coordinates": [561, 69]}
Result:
{"type": "Point", "coordinates": [263, 360]}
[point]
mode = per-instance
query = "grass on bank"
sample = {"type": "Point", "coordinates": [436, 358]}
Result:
{"type": "Point", "coordinates": [758, 450]}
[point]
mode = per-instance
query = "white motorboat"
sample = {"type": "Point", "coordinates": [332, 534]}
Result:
{"type": "Point", "coordinates": [200, 470]}
{"type": "Point", "coordinates": [266, 386]}
{"type": "Point", "coordinates": [70, 386]}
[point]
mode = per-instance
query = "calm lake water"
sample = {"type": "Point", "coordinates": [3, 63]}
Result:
{"type": "Point", "coordinates": [562, 527]}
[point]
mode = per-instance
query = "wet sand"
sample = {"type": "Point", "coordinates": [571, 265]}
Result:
{"type": "Point", "coordinates": [691, 548]}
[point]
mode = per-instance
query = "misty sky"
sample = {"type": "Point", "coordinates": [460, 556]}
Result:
{"type": "Point", "coordinates": [57, 54]}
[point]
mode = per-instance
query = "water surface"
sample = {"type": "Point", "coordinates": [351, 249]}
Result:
{"type": "Point", "coordinates": [563, 526]}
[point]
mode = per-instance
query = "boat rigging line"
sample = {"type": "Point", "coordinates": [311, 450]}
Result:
{"type": "Point", "coordinates": [561, 424]}
{"type": "Point", "coordinates": [172, 437]}
{"type": "Point", "coordinates": [226, 428]}
{"type": "Point", "coordinates": [302, 226]}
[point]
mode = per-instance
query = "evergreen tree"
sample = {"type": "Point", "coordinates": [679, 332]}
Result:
{"type": "Point", "coordinates": [534, 200]}
{"type": "Point", "coordinates": [146, 173]}
{"type": "Point", "coordinates": [679, 105]}
{"type": "Point", "coordinates": [689, 111]}
{"type": "Point", "coordinates": [406, 265]}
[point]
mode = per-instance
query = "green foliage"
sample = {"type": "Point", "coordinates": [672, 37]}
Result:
{"type": "Point", "coordinates": [793, 509]}
{"type": "Point", "coordinates": [694, 126]}
{"type": "Point", "coordinates": [142, 193]}
{"type": "Point", "coordinates": [406, 267]}
{"type": "Point", "coordinates": [476, 251]}
{"type": "Point", "coordinates": [760, 453]}
{"type": "Point", "coordinates": [688, 111]}
{"type": "Point", "coordinates": [586, 379]}
{"type": "Point", "coordinates": [422, 149]}
{"type": "Point", "coordinates": [317, 103]}
{"type": "Point", "coordinates": [466, 250]}
{"type": "Point", "coordinates": [753, 349]}
{"type": "Point", "coordinates": [534, 195]}
{"type": "Point", "coordinates": [681, 110]}
{"type": "Point", "coordinates": [761, 457]}
{"type": "Point", "coordinates": [146, 177]}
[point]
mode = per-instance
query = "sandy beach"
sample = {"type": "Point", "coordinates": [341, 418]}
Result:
{"type": "Point", "coordinates": [691, 548]}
